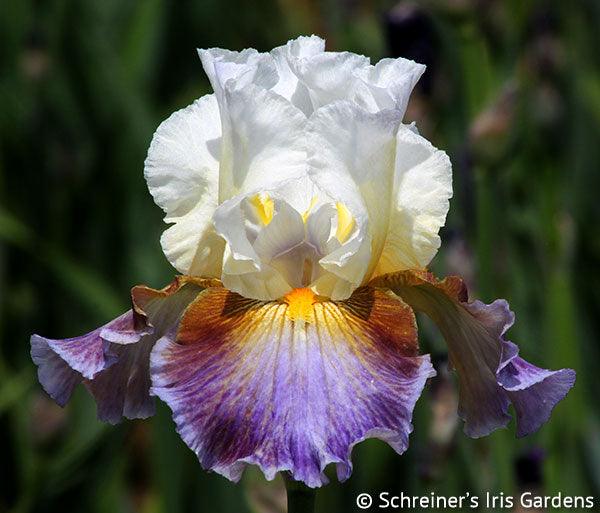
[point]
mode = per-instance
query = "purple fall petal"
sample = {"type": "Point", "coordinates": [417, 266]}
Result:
{"type": "Point", "coordinates": [259, 383]}
{"type": "Point", "coordinates": [54, 374]}
{"type": "Point", "coordinates": [122, 390]}
{"type": "Point", "coordinates": [113, 360]}
{"type": "Point", "coordinates": [62, 364]}
{"type": "Point", "coordinates": [534, 392]}
{"type": "Point", "coordinates": [491, 374]}
{"type": "Point", "coordinates": [90, 354]}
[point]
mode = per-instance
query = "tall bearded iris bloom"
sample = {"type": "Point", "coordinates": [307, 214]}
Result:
{"type": "Point", "coordinates": [303, 216]}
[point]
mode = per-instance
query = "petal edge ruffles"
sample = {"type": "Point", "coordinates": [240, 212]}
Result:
{"type": "Point", "coordinates": [113, 360]}
{"type": "Point", "coordinates": [290, 386]}
{"type": "Point", "coordinates": [491, 374]}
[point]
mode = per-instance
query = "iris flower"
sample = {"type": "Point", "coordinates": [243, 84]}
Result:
{"type": "Point", "coordinates": [303, 216]}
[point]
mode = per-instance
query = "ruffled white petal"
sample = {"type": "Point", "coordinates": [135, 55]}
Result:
{"type": "Point", "coordinates": [182, 162]}
{"type": "Point", "coordinates": [351, 157]}
{"type": "Point", "coordinates": [421, 200]}
{"type": "Point", "coordinates": [192, 245]}
{"type": "Point", "coordinates": [263, 141]}
{"type": "Point", "coordinates": [238, 69]}
{"type": "Point", "coordinates": [315, 131]}
{"type": "Point", "coordinates": [329, 76]}
{"type": "Point", "coordinates": [309, 78]}
{"type": "Point", "coordinates": [182, 172]}
{"type": "Point", "coordinates": [288, 85]}
{"type": "Point", "coordinates": [388, 84]}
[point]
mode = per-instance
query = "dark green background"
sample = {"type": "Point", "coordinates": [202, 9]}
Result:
{"type": "Point", "coordinates": [512, 94]}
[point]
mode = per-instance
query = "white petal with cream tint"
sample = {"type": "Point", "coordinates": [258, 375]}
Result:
{"type": "Point", "coordinates": [351, 157]}
{"type": "Point", "coordinates": [288, 85]}
{"type": "Point", "coordinates": [182, 171]}
{"type": "Point", "coordinates": [312, 140]}
{"type": "Point", "coordinates": [262, 141]}
{"type": "Point", "coordinates": [423, 187]}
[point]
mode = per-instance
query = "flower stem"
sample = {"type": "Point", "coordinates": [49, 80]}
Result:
{"type": "Point", "coordinates": [300, 498]}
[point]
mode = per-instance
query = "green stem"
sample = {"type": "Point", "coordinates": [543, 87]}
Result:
{"type": "Point", "coordinates": [300, 498]}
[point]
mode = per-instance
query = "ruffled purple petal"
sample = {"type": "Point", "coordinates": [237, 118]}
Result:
{"type": "Point", "coordinates": [55, 375]}
{"type": "Point", "coordinates": [93, 359]}
{"type": "Point", "coordinates": [113, 360]}
{"type": "Point", "coordinates": [290, 387]}
{"type": "Point", "coordinates": [491, 374]}
{"type": "Point", "coordinates": [90, 354]}
{"type": "Point", "coordinates": [122, 390]}
{"type": "Point", "coordinates": [534, 392]}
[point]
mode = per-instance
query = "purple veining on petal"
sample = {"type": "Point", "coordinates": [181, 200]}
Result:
{"type": "Point", "coordinates": [533, 391]}
{"type": "Point", "coordinates": [113, 360]}
{"type": "Point", "coordinates": [491, 374]}
{"type": "Point", "coordinates": [107, 359]}
{"type": "Point", "coordinates": [115, 372]}
{"type": "Point", "coordinates": [122, 390]}
{"type": "Point", "coordinates": [250, 385]}
{"type": "Point", "coordinates": [55, 375]}
{"type": "Point", "coordinates": [88, 354]}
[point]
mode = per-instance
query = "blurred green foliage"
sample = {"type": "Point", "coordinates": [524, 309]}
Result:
{"type": "Point", "coordinates": [512, 93]}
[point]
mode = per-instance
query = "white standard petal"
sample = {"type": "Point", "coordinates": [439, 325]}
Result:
{"type": "Point", "coordinates": [182, 172]}
{"type": "Point", "coordinates": [333, 76]}
{"type": "Point", "coordinates": [351, 157]}
{"type": "Point", "coordinates": [389, 83]}
{"type": "Point", "coordinates": [285, 58]}
{"type": "Point", "coordinates": [263, 141]}
{"type": "Point", "coordinates": [329, 76]}
{"type": "Point", "coordinates": [192, 245]}
{"type": "Point", "coordinates": [238, 69]}
{"type": "Point", "coordinates": [421, 200]}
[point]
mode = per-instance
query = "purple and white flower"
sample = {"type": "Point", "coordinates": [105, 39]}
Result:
{"type": "Point", "coordinates": [303, 216]}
